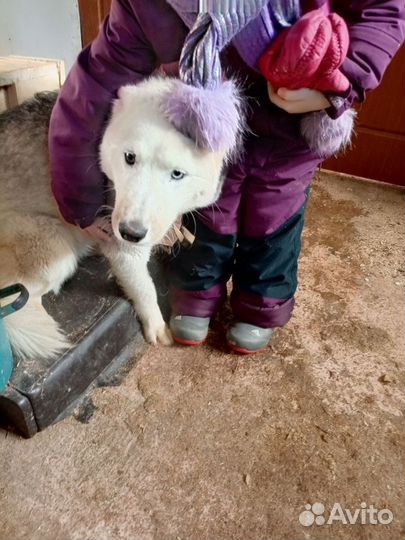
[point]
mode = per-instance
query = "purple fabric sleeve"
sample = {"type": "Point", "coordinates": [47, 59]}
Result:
{"type": "Point", "coordinates": [121, 54]}
{"type": "Point", "coordinates": [376, 29]}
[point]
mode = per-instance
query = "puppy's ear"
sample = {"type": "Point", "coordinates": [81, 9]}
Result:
{"type": "Point", "coordinates": [126, 91]}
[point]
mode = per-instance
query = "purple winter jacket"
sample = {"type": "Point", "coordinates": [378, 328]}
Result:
{"type": "Point", "coordinates": [140, 36]}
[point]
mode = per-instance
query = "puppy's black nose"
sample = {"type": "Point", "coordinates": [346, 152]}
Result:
{"type": "Point", "coordinates": [132, 231]}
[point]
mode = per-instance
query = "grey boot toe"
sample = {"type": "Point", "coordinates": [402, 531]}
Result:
{"type": "Point", "coordinates": [189, 330]}
{"type": "Point", "coordinates": [248, 338]}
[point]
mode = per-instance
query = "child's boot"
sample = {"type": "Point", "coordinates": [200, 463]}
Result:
{"type": "Point", "coordinates": [189, 330]}
{"type": "Point", "coordinates": [245, 338]}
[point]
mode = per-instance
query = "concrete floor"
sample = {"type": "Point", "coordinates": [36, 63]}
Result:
{"type": "Point", "coordinates": [199, 444]}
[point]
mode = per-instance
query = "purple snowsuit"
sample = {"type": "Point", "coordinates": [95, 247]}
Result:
{"type": "Point", "coordinates": [254, 230]}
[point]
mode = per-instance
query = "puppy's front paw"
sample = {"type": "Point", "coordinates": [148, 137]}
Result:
{"type": "Point", "coordinates": [158, 333]}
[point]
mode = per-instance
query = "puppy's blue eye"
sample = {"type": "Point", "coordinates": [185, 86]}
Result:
{"type": "Point", "coordinates": [130, 158]}
{"type": "Point", "coordinates": [177, 175]}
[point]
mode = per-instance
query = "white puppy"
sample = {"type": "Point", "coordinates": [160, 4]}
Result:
{"type": "Point", "coordinates": [157, 173]}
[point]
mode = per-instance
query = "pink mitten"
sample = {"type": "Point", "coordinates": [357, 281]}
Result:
{"type": "Point", "coordinates": [309, 54]}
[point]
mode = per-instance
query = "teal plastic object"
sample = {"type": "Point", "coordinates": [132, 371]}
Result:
{"type": "Point", "coordinates": [6, 356]}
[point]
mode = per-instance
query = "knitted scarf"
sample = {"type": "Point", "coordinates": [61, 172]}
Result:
{"type": "Point", "coordinates": [251, 24]}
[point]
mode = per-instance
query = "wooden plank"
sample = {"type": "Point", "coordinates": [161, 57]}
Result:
{"type": "Point", "coordinates": [20, 68]}
{"type": "Point", "coordinates": [92, 14]}
{"type": "Point", "coordinates": [384, 108]}
{"type": "Point", "coordinates": [21, 78]}
{"type": "Point", "coordinates": [105, 6]}
{"type": "Point", "coordinates": [89, 20]}
{"type": "Point", "coordinates": [379, 145]}
{"type": "Point", "coordinates": [26, 89]}
{"type": "Point", "coordinates": [3, 100]}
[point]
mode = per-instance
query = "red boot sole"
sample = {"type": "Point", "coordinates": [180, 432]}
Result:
{"type": "Point", "coordinates": [240, 350]}
{"type": "Point", "coordinates": [188, 342]}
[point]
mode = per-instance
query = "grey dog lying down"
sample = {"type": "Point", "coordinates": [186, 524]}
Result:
{"type": "Point", "coordinates": [39, 249]}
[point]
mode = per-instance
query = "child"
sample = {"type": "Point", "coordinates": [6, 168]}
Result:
{"type": "Point", "coordinates": [254, 231]}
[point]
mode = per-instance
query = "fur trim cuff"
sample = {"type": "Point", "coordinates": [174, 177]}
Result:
{"type": "Point", "coordinates": [327, 136]}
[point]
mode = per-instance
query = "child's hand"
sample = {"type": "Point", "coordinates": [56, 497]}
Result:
{"type": "Point", "coordinates": [298, 101]}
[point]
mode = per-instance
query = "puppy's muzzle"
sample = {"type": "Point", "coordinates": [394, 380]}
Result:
{"type": "Point", "coordinates": [132, 231]}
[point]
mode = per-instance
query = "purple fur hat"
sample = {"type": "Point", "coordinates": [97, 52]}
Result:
{"type": "Point", "coordinates": [213, 118]}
